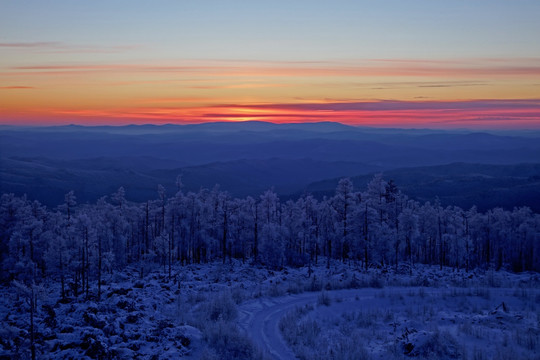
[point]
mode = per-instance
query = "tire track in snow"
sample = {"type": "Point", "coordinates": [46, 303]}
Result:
{"type": "Point", "coordinates": [260, 318]}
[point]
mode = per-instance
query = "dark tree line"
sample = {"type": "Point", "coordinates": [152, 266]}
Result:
{"type": "Point", "coordinates": [75, 244]}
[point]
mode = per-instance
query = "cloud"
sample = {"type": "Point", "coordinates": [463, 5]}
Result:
{"type": "Point", "coordinates": [177, 100]}
{"type": "Point", "coordinates": [30, 45]}
{"type": "Point", "coordinates": [238, 86]}
{"type": "Point", "coordinates": [392, 113]}
{"type": "Point", "coordinates": [64, 48]}
{"type": "Point", "coordinates": [413, 84]}
{"type": "Point", "coordinates": [385, 105]}
{"type": "Point", "coordinates": [505, 113]}
{"type": "Point", "coordinates": [396, 68]}
{"type": "Point", "coordinates": [16, 87]}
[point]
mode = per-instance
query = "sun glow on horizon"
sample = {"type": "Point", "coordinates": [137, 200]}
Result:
{"type": "Point", "coordinates": [321, 67]}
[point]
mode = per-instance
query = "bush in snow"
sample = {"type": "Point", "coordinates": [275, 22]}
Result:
{"type": "Point", "coordinates": [437, 344]}
{"type": "Point", "coordinates": [215, 318]}
{"type": "Point", "coordinates": [227, 342]}
{"type": "Point", "coordinates": [324, 299]}
{"type": "Point", "coordinates": [220, 307]}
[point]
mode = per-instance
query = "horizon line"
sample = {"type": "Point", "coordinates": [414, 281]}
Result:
{"type": "Point", "coordinates": [231, 122]}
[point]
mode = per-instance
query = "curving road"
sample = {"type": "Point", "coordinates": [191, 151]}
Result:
{"type": "Point", "coordinates": [260, 318]}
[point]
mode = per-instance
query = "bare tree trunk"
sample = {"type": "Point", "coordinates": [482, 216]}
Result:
{"type": "Point", "coordinates": [329, 253]}
{"type": "Point", "coordinates": [224, 239]}
{"type": "Point", "coordinates": [146, 235]}
{"type": "Point", "coordinates": [366, 238]}
{"type": "Point", "coordinates": [171, 242]}
{"type": "Point", "coordinates": [62, 278]}
{"type": "Point", "coordinates": [256, 235]}
{"type": "Point", "coordinates": [397, 251]}
{"type": "Point", "coordinates": [99, 268]}
{"type": "Point", "coordinates": [32, 310]}
{"type": "Point", "coordinates": [87, 264]}
{"type": "Point", "coordinates": [441, 254]}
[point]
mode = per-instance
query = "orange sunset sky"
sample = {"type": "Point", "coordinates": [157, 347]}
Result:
{"type": "Point", "coordinates": [432, 64]}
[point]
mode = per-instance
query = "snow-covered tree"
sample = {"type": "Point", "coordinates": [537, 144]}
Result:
{"type": "Point", "coordinates": [79, 245]}
{"type": "Point", "coordinates": [343, 203]}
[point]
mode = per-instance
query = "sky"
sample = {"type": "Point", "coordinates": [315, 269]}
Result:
{"type": "Point", "coordinates": [429, 64]}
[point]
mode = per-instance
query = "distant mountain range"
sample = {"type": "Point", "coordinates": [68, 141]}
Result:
{"type": "Point", "coordinates": [47, 180]}
{"type": "Point", "coordinates": [461, 184]}
{"type": "Point", "coordinates": [458, 167]}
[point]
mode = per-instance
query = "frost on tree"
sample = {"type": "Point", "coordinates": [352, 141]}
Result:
{"type": "Point", "coordinates": [76, 244]}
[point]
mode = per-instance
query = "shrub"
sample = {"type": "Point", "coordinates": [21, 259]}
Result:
{"type": "Point", "coordinates": [440, 345]}
{"type": "Point", "coordinates": [315, 284]}
{"type": "Point", "coordinates": [324, 299]}
{"type": "Point", "coordinates": [220, 307]}
{"type": "Point", "coordinates": [227, 341]}
{"type": "Point", "coordinates": [376, 282]}
{"type": "Point", "coordinates": [215, 319]}
{"type": "Point", "coordinates": [288, 325]}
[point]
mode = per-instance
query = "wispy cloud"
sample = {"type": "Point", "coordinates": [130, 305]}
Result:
{"type": "Point", "coordinates": [30, 45]}
{"type": "Point", "coordinates": [183, 91]}
{"type": "Point", "coordinates": [413, 84]}
{"type": "Point", "coordinates": [380, 68]}
{"type": "Point", "coordinates": [501, 113]}
{"type": "Point", "coordinates": [60, 47]}
{"type": "Point", "coordinates": [238, 86]}
{"type": "Point", "coordinates": [177, 100]}
{"type": "Point", "coordinates": [16, 87]}
{"type": "Point", "coordinates": [386, 105]}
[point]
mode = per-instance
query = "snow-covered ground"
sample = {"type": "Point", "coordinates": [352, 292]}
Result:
{"type": "Point", "coordinates": [226, 311]}
{"type": "Point", "coordinates": [396, 322]}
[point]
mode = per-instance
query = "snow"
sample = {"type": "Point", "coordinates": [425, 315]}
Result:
{"type": "Point", "coordinates": [236, 310]}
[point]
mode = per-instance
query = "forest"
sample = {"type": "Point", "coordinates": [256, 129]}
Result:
{"type": "Point", "coordinates": [192, 275]}
{"type": "Point", "coordinates": [377, 227]}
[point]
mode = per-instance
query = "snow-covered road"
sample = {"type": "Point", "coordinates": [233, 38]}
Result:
{"type": "Point", "coordinates": [260, 318]}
